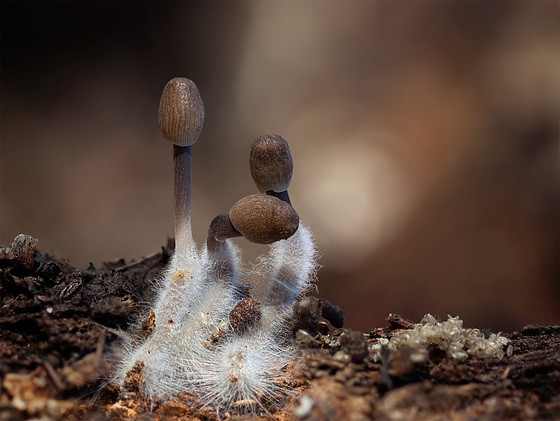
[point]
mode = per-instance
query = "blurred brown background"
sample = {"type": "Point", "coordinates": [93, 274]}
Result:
{"type": "Point", "coordinates": [425, 140]}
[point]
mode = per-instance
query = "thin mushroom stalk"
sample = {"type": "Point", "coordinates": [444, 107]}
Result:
{"type": "Point", "coordinates": [222, 255]}
{"type": "Point", "coordinates": [182, 158]}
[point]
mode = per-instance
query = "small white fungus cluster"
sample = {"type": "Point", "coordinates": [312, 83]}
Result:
{"type": "Point", "coordinates": [450, 336]}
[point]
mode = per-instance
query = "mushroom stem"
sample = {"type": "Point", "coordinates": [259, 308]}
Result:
{"type": "Point", "coordinates": [283, 195]}
{"type": "Point", "coordinates": [184, 244]}
{"type": "Point", "coordinates": [221, 229]}
{"type": "Point", "coordinates": [222, 254]}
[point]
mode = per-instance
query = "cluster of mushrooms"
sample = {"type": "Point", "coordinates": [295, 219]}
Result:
{"type": "Point", "coordinates": [207, 335]}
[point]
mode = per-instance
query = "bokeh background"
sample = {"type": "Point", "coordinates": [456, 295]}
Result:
{"type": "Point", "coordinates": [425, 138]}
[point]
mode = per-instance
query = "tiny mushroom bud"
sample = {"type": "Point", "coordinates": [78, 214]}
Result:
{"type": "Point", "coordinates": [271, 165]}
{"type": "Point", "coordinates": [264, 219]}
{"type": "Point", "coordinates": [181, 112]}
{"type": "Point", "coordinates": [180, 119]}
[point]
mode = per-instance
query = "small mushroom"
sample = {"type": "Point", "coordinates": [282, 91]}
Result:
{"type": "Point", "coordinates": [271, 165]}
{"type": "Point", "coordinates": [180, 119]}
{"type": "Point", "coordinates": [264, 219]}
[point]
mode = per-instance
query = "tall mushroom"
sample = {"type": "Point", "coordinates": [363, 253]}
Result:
{"type": "Point", "coordinates": [180, 119]}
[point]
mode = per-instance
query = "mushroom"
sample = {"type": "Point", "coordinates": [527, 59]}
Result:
{"type": "Point", "coordinates": [180, 119]}
{"type": "Point", "coordinates": [259, 218]}
{"type": "Point", "coordinates": [290, 265]}
{"type": "Point", "coordinates": [271, 165]}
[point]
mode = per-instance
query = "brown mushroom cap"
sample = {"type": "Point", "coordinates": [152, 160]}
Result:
{"type": "Point", "coordinates": [181, 112]}
{"type": "Point", "coordinates": [271, 164]}
{"type": "Point", "coordinates": [264, 219]}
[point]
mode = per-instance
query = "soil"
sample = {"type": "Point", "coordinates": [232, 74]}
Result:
{"type": "Point", "coordinates": [60, 325]}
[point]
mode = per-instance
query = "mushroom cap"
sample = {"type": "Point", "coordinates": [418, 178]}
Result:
{"type": "Point", "coordinates": [271, 163]}
{"type": "Point", "coordinates": [264, 219]}
{"type": "Point", "coordinates": [181, 112]}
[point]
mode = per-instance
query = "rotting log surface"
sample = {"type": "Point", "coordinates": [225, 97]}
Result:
{"type": "Point", "coordinates": [59, 326]}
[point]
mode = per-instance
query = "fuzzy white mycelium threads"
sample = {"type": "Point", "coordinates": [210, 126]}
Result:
{"type": "Point", "coordinates": [450, 336]}
{"type": "Point", "coordinates": [210, 338]}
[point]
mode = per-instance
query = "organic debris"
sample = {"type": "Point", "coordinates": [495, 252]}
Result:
{"type": "Point", "coordinates": [59, 327]}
